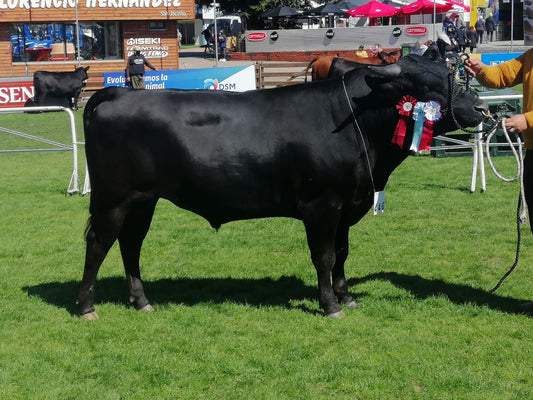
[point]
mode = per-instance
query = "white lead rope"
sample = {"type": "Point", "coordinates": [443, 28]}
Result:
{"type": "Point", "coordinates": [519, 164]}
{"type": "Point", "coordinates": [522, 208]}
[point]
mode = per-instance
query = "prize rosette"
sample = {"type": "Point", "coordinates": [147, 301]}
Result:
{"type": "Point", "coordinates": [405, 108]}
{"type": "Point", "coordinates": [432, 114]}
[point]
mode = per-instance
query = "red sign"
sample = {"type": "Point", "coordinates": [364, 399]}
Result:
{"type": "Point", "coordinates": [416, 30]}
{"type": "Point", "coordinates": [15, 94]}
{"type": "Point", "coordinates": [256, 36]}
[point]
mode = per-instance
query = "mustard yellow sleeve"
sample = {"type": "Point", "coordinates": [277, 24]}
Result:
{"type": "Point", "coordinates": [506, 74]}
{"type": "Point", "coordinates": [529, 119]}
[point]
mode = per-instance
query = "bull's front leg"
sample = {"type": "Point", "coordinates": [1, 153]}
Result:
{"type": "Point", "coordinates": [340, 285]}
{"type": "Point", "coordinates": [321, 241]}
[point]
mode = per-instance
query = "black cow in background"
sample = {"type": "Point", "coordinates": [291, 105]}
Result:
{"type": "Point", "coordinates": [315, 151]}
{"type": "Point", "coordinates": [59, 88]}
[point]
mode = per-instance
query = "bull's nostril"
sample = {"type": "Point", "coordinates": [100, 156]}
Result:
{"type": "Point", "coordinates": [482, 108]}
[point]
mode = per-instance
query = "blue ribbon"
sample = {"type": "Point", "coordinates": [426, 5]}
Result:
{"type": "Point", "coordinates": [419, 117]}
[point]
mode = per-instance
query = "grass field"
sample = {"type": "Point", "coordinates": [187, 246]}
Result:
{"type": "Point", "coordinates": [237, 315]}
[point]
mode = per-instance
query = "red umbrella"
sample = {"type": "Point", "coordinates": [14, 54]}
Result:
{"type": "Point", "coordinates": [373, 9]}
{"type": "Point", "coordinates": [424, 7]}
{"type": "Point", "coordinates": [456, 5]}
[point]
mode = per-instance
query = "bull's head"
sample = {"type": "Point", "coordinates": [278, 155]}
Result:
{"type": "Point", "coordinates": [425, 80]}
{"type": "Point", "coordinates": [83, 72]}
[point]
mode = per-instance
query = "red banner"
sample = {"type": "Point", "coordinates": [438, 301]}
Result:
{"type": "Point", "coordinates": [15, 94]}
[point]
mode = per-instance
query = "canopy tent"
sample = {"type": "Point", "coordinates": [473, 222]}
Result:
{"type": "Point", "coordinates": [280, 11]}
{"type": "Point", "coordinates": [327, 9]}
{"type": "Point", "coordinates": [425, 7]}
{"type": "Point", "coordinates": [346, 5]}
{"type": "Point", "coordinates": [373, 9]}
{"type": "Point", "coordinates": [458, 7]}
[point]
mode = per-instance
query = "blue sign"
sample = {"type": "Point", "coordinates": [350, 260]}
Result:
{"type": "Point", "coordinates": [237, 79]}
{"type": "Point", "coordinates": [497, 58]}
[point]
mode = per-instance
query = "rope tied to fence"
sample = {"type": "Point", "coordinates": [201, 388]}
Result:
{"type": "Point", "coordinates": [521, 211]}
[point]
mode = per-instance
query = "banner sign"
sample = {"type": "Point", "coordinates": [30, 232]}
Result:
{"type": "Point", "coordinates": [497, 58]}
{"type": "Point", "coordinates": [15, 94]}
{"type": "Point", "coordinates": [235, 79]}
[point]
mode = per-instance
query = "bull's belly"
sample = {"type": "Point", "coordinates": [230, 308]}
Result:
{"type": "Point", "coordinates": [220, 209]}
{"type": "Point", "coordinates": [233, 204]}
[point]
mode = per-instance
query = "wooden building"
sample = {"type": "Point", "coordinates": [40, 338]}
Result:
{"type": "Point", "coordinates": [58, 35]}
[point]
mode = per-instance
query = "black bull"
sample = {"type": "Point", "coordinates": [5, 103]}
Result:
{"type": "Point", "coordinates": [291, 152]}
{"type": "Point", "coordinates": [59, 88]}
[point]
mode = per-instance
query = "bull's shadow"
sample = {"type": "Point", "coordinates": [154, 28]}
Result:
{"type": "Point", "coordinates": [189, 292]}
{"type": "Point", "coordinates": [423, 288]}
{"type": "Point", "coordinates": [282, 292]}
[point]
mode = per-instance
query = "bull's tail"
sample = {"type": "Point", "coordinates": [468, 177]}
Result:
{"type": "Point", "coordinates": [309, 67]}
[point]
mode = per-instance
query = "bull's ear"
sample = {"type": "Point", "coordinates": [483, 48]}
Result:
{"type": "Point", "coordinates": [387, 71]}
{"type": "Point", "coordinates": [87, 68]}
{"type": "Point", "coordinates": [364, 80]}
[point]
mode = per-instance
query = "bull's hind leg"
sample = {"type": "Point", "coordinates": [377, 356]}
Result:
{"type": "Point", "coordinates": [101, 234]}
{"type": "Point", "coordinates": [321, 241]}
{"type": "Point", "coordinates": [340, 286]}
{"type": "Point", "coordinates": [131, 237]}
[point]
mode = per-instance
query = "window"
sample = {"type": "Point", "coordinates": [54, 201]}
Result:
{"type": "Point", "coordinates": [157, 26]}
{"type": "Point", "coordinates": [58, 41]}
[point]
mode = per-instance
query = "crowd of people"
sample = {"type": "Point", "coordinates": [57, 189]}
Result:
{"type": "Point", "coordinates": [221, 40]}
{"type": "Point", "coordinates": [469, 37]}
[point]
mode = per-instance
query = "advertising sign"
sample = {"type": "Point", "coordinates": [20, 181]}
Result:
{"type": "Point", "coordinates": [235, 79]}
{"type": "Point", "coordinates": [497, 58]}
{"type": "Point", "coordinates": [15, 94]}
{"type": "Point", "coordinates": [416, 30]}
{"type": "Point", "coordinates": [256, 36]}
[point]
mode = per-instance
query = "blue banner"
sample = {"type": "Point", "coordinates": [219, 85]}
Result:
{"type": "Point", "coordinates": [236, 79]}
{"type": "Point", "coordinates": [497, 58]}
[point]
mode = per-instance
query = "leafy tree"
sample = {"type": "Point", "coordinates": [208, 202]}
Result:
{"type": "Point", "coordinates": [250, 10]}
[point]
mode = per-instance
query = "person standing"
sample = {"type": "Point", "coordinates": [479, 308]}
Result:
{"type": "Point", "coordinates": [222, 45]}
{"type": "Point", "coordinates": [480, 29]}
{"type": "Point", "coordinates": [490, 26]}
{"type": "Point", "coordinates": [208, 37]}
{"type": "Point", "coordinates": [459, 22]}
{"type": "Point", "coordinates": [461, 39]}
{"type": "Point", "coordinates": [471, 39]}
{"type": "Point", "coordinates": [507, 74]}
{"type": "Point", "coordinates": [135, 69]}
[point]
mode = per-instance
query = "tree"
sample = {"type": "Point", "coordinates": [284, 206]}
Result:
{"type": "Point", "coordinates": [250, 10]}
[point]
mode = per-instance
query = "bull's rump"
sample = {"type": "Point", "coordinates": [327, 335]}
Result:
{"type": "Point", "coordinates": [236, 155]}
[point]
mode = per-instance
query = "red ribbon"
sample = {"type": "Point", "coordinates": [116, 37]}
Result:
{"type": "Point", "coordinates": [427, 136]}
{"type": "Point", "coordinates": [405, 108]}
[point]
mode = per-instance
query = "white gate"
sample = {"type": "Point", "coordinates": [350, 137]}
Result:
{"type": "Point", "coordinates": [73, 185]}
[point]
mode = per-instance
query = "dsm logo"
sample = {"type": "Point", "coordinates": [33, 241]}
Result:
{"type": "Point", "coordinates": [213, 84]}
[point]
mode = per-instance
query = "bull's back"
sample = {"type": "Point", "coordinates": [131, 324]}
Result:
{"type": "Point", "coordinates": [199, 148]}
{"type": "Point", "coordinates": [56, 83]}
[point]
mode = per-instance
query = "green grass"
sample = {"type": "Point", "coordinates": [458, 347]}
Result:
{"type": "Point", "coordinates": [237, 315]}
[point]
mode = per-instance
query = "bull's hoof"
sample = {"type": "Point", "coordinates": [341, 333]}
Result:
{"type": "Point", "coordinates": [147, 308]}
{"type": "Point", "coordinates": [350, 304]}
{"type": "Point", "coordinates": [92, 316]}
{"type": "Point", "coordinates": [336, 315]}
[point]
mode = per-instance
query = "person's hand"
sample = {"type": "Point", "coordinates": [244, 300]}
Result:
{"type": "Point", "coordinates": [473, 65]}
{"type": "Point", "coordinates": [517, 122]}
